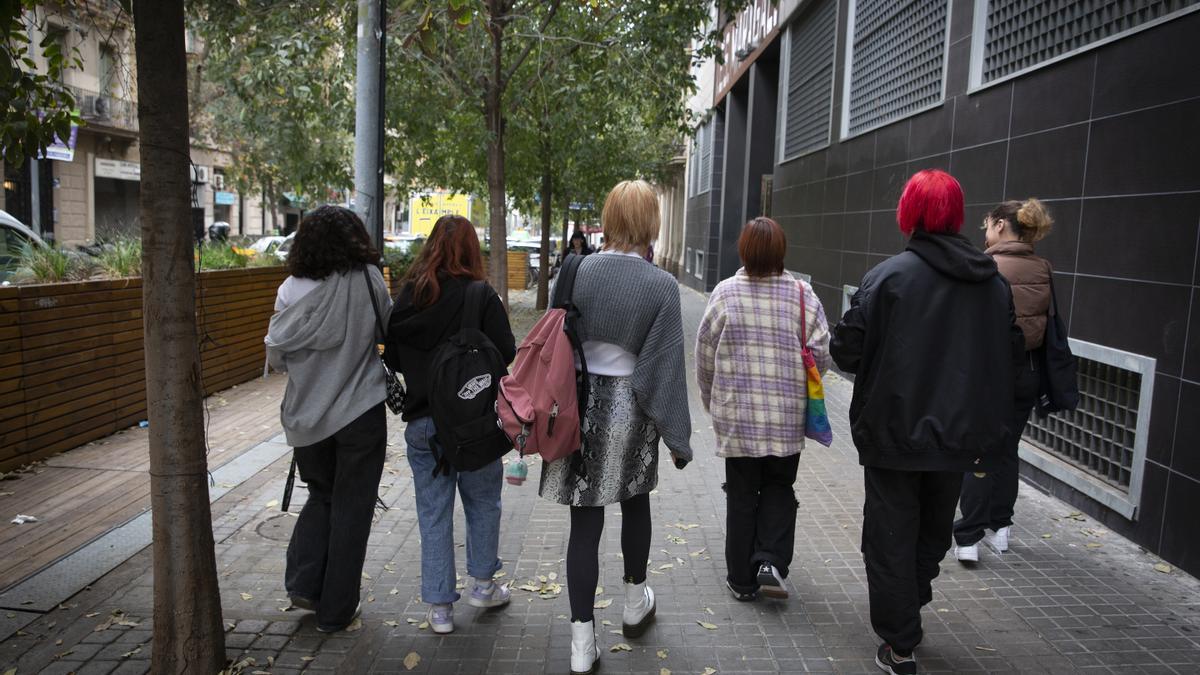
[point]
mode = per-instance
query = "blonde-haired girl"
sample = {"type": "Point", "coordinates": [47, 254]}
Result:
{"type": "Point", "coordinates": [987, 500]}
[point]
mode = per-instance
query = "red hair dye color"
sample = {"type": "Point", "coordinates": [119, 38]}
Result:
{"type": "Point", "coordinates": [932, 202]}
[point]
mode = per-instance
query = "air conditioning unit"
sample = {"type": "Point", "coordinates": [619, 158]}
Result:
{"type": "Point", "coordinates": [87, 106]}
{"type": "Point", "coordinates": [199, 174]}
{"type": "Point", "coordinates": [218, 181]}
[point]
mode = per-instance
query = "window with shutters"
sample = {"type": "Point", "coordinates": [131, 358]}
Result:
{"type": "Point", "coordinates": [706, 156]}
{"type": "Point", "coordinates": [896, 56]}
{"type": "Point", "coordinates": [1013, 36]}
{"type": "Point", "coordinates": [807, 85]}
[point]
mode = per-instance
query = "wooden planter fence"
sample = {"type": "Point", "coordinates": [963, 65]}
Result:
{"type": "Point", "coordinates": [72, 361]}
{"type": "Point", "coordinates": [518, 262]}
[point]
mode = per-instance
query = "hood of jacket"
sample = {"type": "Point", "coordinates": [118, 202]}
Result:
{"type": "Point", "coordinates": [316, 322]}
{"type": "Point", "coordinates": [426, 328]}
{"type": "Point", "coordinates": [953, 255]}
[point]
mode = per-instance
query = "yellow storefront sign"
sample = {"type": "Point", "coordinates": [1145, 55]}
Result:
{"type": "Point", "coordinates": [424, 210]}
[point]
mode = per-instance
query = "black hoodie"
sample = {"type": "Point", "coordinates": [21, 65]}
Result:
{"type": "Point", "coordinates": [931, 338]}
{"type": "Point", "coordinates": [414, 333]}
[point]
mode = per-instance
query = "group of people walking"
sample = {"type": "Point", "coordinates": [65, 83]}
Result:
{"type": "Point", "coordinates": [941, 339]}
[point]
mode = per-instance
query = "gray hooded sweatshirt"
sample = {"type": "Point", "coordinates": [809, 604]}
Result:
{"type": "Point", "coordinates": [326, 343]}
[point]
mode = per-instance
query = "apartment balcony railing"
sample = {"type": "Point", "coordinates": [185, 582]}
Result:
{"type": "Point", "coordinates": [105, 110]}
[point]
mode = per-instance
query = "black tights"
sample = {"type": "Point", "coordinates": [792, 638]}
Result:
{"type": "Point", "coordinates": [583, 550]}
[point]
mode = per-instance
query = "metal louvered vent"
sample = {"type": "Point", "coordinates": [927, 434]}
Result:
{"type": "Point", "coordinates": [898, 60]}
{"type": "Point", "coordinates": [1024, 33]}
{"type": "Point", "coordinates": [810, 80]}
{"type": "Point", "coordinates": [1100, 447]}
{"type": "Point", "coordinates": [706, 156]}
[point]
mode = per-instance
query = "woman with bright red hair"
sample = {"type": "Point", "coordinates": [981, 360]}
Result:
{"type": "Point", "coordinates": [429, 310]}
{"type": "Point", "coordinates": [931, 338]}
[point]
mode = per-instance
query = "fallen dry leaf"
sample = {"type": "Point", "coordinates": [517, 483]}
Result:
{"type": "Point", "coordinates": [247, 596]}
{"type": "Point", "coordinates": [620, 647]}
{"type": "Point", "coordinates": [662, 653]}
{"type": "Point", "coordinates": [1094, 545]}
{"type": "Point", "coordinates": [1163, 567]}
{"type": "Point", "coordinates": [354, 626]}
{"type": "Point", "coordinates": [708, 671]}
{"type": "Point", "coordinates": [391, 623]}
{"type": "Point", "coordinates": [705, 624]}
{"type": "Point", "coordinates": [128, 654]}
{"type": "Point", "coordinates": [411, 660]}
{"type": "Point", "coordinates": [605, 622]}
{"type": "Point", "coordinates": [601, 604]}
{"type": "Point", "coordinates": [599, 590]}
{"type": "Point", "coordinates": [306, 659]}
{"type": "Point", "coordinates": [273, 503]}
{"type": "Point", "coordinates": [423, 625]}
{"type": "Point", "coordinates": [666, 566]}
{"type": "Point", "coordinates": [984, 649]}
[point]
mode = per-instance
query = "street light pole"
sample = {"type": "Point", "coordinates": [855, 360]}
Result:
{"type": "Point", "coordinates": [368, 118]}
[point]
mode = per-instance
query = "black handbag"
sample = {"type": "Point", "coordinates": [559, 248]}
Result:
{"type": "Point", "coordinates": [396, 393]}
{"type": "Point", "coordinates": [1059, 386]}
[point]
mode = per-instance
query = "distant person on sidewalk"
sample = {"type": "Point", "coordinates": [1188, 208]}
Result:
{"type": "Point", "coordinates": [428, 311]}
{"type": "Point", "coordinates": [989, 498]}
{"type": "Point", "coordinates": [753, 382]}
{"type": "Point", "coordinates": [324, 336]}
{"type": "Point", "coordinates": [632, 335]}
{"type": "Point", "coordinates": [931, 339]}
{"type": "Point", "coordinates": [578, 244]}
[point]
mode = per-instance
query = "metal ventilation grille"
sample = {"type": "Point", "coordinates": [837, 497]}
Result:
{"type": "Point", "coordinates": [899, 52]}
{"type": "Point", "coordinates": [1024, 33]}
{"type": "Point", "coordinates": [1099, 436]}
{"type": "Point", "coordinates": [706, 156]}
{"type": "Point", "coordinates": [810, 80]}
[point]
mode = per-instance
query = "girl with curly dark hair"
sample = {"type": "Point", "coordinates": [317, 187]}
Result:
{"type": "Point", "coordinates": [324, 335]}
{"type": "Point", "coordinates": [428, 311]}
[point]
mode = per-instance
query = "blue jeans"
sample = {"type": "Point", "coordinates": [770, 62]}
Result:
{"type": "Point", "coordinates": [480, 492]}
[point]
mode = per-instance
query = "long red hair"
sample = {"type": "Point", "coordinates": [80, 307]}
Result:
{"type": "Point", "coordinates": [451, 250]}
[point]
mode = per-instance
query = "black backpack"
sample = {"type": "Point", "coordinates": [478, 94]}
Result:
{"type": "Point", "coordinates": [465, 374]}
{"type": "Point", "coordinates": [1059, 386]}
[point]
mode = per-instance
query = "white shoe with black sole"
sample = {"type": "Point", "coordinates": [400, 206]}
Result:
{"type": "Point", "coordinates": [770, 582]}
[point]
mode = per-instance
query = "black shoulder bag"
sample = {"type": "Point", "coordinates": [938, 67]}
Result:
{"type": "Point", "coordinates": [1059, 386]}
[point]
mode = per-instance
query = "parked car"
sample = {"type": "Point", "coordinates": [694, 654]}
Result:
{"type": "Point", "coordinates": [285, 247]}
{"type": "Point", "coordinates": [13, 237]}
{"type": "Point", "coordinates": [267, 245]}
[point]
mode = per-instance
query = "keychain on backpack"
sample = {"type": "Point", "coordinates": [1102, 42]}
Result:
{"type": "Point", "coordinates": [516, 471]}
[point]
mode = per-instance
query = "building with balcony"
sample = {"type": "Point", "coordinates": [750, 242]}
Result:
{"type": "Point", "coordinates": [824, 108]}
{"type": "Point", "coordinates": [88, 185]}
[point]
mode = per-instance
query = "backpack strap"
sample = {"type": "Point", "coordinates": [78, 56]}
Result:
{"type": "Point", "coordinates": [476, 296]}
{"type": "Point", "coordinates": [803, 315]}
{"type": "Point", "coordinates": [564, 289]}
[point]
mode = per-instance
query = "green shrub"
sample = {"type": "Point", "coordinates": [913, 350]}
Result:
{"type": "Point", "coordinates": [50, 264]}
{"type": "Point", "coordinates": [120, 258]}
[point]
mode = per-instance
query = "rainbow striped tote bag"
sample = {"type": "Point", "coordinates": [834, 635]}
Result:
{"type": "Point", "coordinates": [816, 421]}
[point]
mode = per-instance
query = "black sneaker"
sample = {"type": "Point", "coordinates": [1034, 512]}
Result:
{"type": "Point", "coordinates": [740, 596]}
{"type": "Point", "coordinates": [889, 662]}
{"type": "Point", "coordinates": [770, 583]}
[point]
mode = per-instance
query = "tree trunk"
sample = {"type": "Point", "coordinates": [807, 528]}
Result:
{"type": "Point", "coordinates": [543, 291]}
{"type": "Point", "coordinates": [188, 635]}
{"type": "Point", "coordinates": [494, 114]}
{"type": "Point", "coordinates": [566, 220]}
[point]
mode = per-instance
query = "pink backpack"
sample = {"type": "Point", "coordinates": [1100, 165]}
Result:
{"type": "Point", "coordinates": [541, 401]}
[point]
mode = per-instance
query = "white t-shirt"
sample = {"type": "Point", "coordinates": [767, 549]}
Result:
{"type": "Point", "coordinates": [605, 358]}
{"type": "Point", "coordinates": [292, 289]}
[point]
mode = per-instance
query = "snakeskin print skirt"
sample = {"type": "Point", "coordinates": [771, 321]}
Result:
{"type": "Point", "coordinates": [620, 451]}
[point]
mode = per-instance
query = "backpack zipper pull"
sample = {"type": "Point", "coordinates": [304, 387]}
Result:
{"type": "Point", "coordinates": [553, 417]}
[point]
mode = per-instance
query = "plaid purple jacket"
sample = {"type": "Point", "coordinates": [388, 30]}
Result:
{"type": "Point", "coordinates": [749, 367]}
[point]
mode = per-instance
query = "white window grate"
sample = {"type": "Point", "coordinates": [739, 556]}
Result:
{"type": "Point", "coordinates": [808, 95]}
{"type": "Point", "coordinates": [1100, 447]}
{"type": "Point", "coordinates": [897, 55]}
{"type": "Point", "coordinates": [698, 270]}
{"type": "Point", "coordinates": [706, 156]}
{"type": "Point", "coordinates": [1021, 34]}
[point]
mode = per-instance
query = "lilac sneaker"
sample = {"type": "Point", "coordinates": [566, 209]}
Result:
{"type": "Point", "coordinates": [489, 594]}
{"type": "Point", "coordinates": [441, 619]}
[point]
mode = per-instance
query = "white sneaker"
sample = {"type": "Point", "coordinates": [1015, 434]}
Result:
{"type": "Point", "coordinates": [585, 653]}
{"type": "Point", "coordinates": [441, 618]}
{"type": "Point", "coordinates": [639, 610]}
{"type": "Point", "coordinates": [967, 553]}
{"type": "Point", "coordinates": [998, 541]}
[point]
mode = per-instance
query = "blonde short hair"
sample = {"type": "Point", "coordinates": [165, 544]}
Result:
{"type": "Point", "coordinates": [630, 216]}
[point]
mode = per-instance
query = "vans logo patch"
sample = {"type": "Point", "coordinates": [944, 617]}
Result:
{"type": "Point", "coordinates": [475, 386]}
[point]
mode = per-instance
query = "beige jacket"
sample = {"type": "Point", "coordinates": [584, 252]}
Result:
{"type": "Point", "coordinates": [1029, 277]}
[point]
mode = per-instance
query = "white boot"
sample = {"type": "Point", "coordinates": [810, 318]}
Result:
{"type": "Point", "coordinates": [639, 610]}
{"type": "Point", "coordinates": [585, 653]}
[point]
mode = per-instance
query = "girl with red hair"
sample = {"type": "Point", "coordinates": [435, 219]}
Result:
{"type": "Point", "coordinates": [931, 339]}
{"type": "Point", "coordinates": [427, 312]}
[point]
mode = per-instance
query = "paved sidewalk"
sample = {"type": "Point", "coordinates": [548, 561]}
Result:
{"type": "Point", "coordinates": [1069, 597]}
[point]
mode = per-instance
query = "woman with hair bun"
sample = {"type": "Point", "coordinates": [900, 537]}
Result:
{"type": "Point", "coordinates": [988, 499]}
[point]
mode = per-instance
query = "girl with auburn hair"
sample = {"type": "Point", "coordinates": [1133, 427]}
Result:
{"type": "Point", "coordinates": [324, 335]}
{"type": "Point", "coordinates": [931, 340]}
{"type": "Point", "coordinates": [988, 499]}
{"type": "Point", "coordinates": [427, 312]}
{"type": "Point", "coordinates": [632, 336]}
{"type": "Point", "coordinates": [754, 384]}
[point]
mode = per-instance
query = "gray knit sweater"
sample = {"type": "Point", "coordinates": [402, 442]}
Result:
{"type": "Point", "coordinates": [325, 342]}
{"type": "Point", "coordinates": [628, 302]}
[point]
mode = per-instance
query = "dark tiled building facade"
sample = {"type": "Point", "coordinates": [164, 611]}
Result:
{"type": "Point", "coordinates": [1103, 125]}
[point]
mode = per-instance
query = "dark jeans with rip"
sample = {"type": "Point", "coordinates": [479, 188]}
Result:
{"type": "Point", "coordinates": [760, 517]}
{"type": "Point", "coordinates": [329, 545]}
